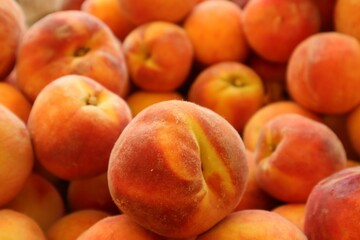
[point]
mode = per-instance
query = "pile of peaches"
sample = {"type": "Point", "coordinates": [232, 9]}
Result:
{"type": "Point", "coordinates": [181, 119]}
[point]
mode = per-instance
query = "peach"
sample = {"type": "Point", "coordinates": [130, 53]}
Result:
{"type": "Point", "coordinates": [40, 200]}
{"type": "Point", "coordinates": [16, 225]}
{"type": "Point", "coordinates": [140, 99]}
{"type": "Point", "coordinates": [257, 121]}
{"type": "Point", "coordinates": [322, 73]}
{"type": "Point", "coordinates": [110, 12]}
{"type": "Point", "coordinates": [73, 224]}
{"type": "Point", "coordinates": [177, 169]}
{"type": "Point", "coordinates": [13, 26]}
{"type": "Point", "coordinates": [159, 56]}
{"type": "Point", "coordinates": [144, 11]}
{"type": "Point", "coordinates": [70, 42]}
{"type": "Point", "coordinates": [346, 17]}
{"type": "Point", "coordinates": [293, 154]}
{"type": "Point", "coordinates": [254, 225]}
{"type": "Point", "coordinates": [215, 28]}
{"type": "Point", "coordinates": [83, 120]}
{"type": "Point", "coordinates": [14, 100]}
{"type": "Point", "coordinates": [294, 212]}
{"type": "Point", "coordinates": [273, 28]}
{"type": "Point", "coordinates": [16, 155]}
{"type": "Point", "coordinates": [90, 193]}
{"type": "Point", "coordinates": [333, 206]}
{"type": "Point", "coordinates": [352, 129]}
{"type": "Point", "coordinates": [231, 89]}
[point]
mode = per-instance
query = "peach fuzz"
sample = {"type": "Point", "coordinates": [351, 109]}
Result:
{"type": "Point", "coordinates": [13, 26]}
{"type": "Point", "coordinates": [346, 18]}
{"type": "Point", "coordinates": [90, 193]}
{"type": "Point", "coordinates": [40, 200]}
{"type": "Point", "coordinates": [188, 171]}
{"type": "Point", "coordinates": [84, 119]}
{"type": "Point", "coordinates": [15, 225]}
{"type": "Point", "coordinates": [231, 89]}
{"type": "Point", "coordinates": [140, 99]}
{"type": "Point", "coordinates": [323, 73]}
{"type": "Point", "coordinates": [273, 28]}
{"type": "Point", "coordinates": [215, 28]}
{"type": "Point", "coordinates": [159, 56]}
{"type": "Point", "coordinates": [352, 129]}
{"type": "Point", "coordinates": [332, 207]}
{"type": "Point", "coordinates": [14, 100]}
{"type": "Point", "coordinates": [294, 212]}
{"type": "Point", "coordinates": [70, 42]}
{"type": "Point", "coordinates": [73, 224]}
{"type": "Point", "coordinates": [16, 155]}
{"type": "Point", "coordinates": [110, 12]}
{"type": "Point", "coordinates": [144, 11]}
{"type": "Point", "coordinates": [293, 154]}
{"type": "Point", "coordinates": [254, 225]}
{"type": "Point", "coordinates": [257, 121]}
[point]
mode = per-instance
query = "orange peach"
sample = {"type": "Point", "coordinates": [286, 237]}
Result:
{"type": "Point", "coordinates": [144, 11]}
{"type": "Point", "coordinates": [257, 121]}
{"type": "Point", "coordinates": [40, 200]}
{"type": "Point", "coordinates": [159, 56]}
{"type": "Point", "coordinates": [70, 42]}
{"type": "Point", "coordinates": [177, 169]}
{"type": "Point", "coordinates": [110, 12]}
{"type": "Point", "coordinates": [293, 154]}
{"type": "Point", "coordinates": [231, 89]}
{"type": "Point", "coordinates": [140, 99]}
{"type": "Point", "coordinates": [83, 120]}
{"type": "Point", "coordinates": [16, 225]}
{"type": "Point", "coordinates": [346, 17]}
{"type": "Point", "coordinates": [254, 225]}
{"type": "Point", "coordinates": [16, 155]}
{"type": "Point", "coordinates": [13, 25]}
{"type": "Point", "coordinates": [323, 73]}
{"type": "Point", "coordinates": [215, 28]}
{"type": "Point", "coordinates": [73, 224]}
{"type": "Point", "coordinates": [273, 28]}
{"type": "Point", "coordinates": [333, 206]}
{"type": "Point", "coordinates": [294, 212]}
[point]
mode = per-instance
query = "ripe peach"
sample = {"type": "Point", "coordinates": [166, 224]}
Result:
{"type": "Point", "coordinates": [231, 89]}
{"type": "Point", "coordinates": [177, 169]}
{"type": "Point", "coordinates": [322, 73]}
{"type": "Point", "coordinates": [70, 42]}
{"type": "Point", "coordinates": [273, 28]}
{"type": "Point", "coordinates": [254, 225]}
{"type": "Point", "coordinates": [293, 154]}
{"type": "Point", "coordinates": [216, 30]}
{"type": "Point", "coordinates": [294, 212]}
{"type": "Point", "coordinates": [83, 120]}
{"type": "Point", "coordinates": [159, 56]}
{"type": "Point", "coordinates": [333, 206]}
{"type": "Point", "coordinates": [346, 18]}
{"type": "Point", "coordinates": [16, 155]}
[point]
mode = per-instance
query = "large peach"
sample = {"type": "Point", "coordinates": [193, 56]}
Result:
{"type": "Point", "coordinates": [70, 42]}
{"type": "Point", "coordinates": [332, 210]}
{"type": "Point", "coordinates": [159, 56]}
{"type": "Point", "coordinates": [323, 73]}
{"type": "Point", "coordinates": [177, 169]}
{"type": "Point", "coordinates": [293, 154]}
{"type": "Point", "coordinates": [74, 123]}
{"type": "Point", "coordinates": [273, 28]}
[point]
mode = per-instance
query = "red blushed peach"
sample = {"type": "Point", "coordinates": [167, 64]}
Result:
{"type": "Point", "coordinates": [257, 121]}
{"type": "Point", "coordinates": [323, 73]}
{"type": "Point", "coordinates": [177, 169]}
{"type": "Point", "coordinates": [231, 89]}
{"type": "Point", "coordinates": [15, 225]}
{"type": "Point", "coordinates": [83, 120]}
{"type": "Point", "coordinates": [346, 17]}
{"type": "Point", "coordinates": [159, 56]}
{"type": "Point", "coordinates": [254, 225]}
{"type": "Point", "coordinates": [273, 28]}
{"type": "Point", "coordinates": [144, 11]}
{"type": "Point", "coordinates": [332, 210]}
{"type": "Point", "coordinates": [216, 30]}
{"type": "Point", "coordinates": [70, 42]}
{"type": "Point", "coordinates": [294, 212]}
{"type": "Point", "coordinates": [16, 155]}
{"type": "Point", "coordinates": [293, 154]}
